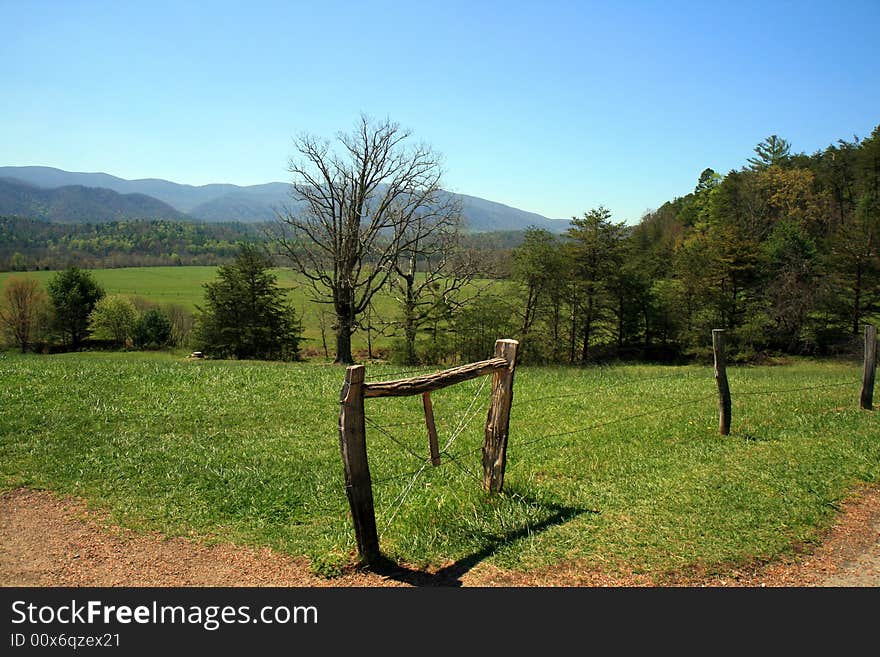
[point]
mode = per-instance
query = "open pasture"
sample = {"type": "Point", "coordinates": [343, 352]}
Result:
{"type": "Point", "coordinates": [622, 467]}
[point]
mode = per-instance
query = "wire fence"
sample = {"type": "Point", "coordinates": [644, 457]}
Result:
{"type": "Point", "coordinates": [457, 459]}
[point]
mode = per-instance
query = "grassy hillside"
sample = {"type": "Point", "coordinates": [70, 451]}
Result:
{"type": "Point", "coordinates": [620, 466]}
{"type": "Point", "coordinates": [184, 286]}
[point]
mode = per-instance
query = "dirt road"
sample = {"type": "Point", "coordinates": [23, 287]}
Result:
{"type": "Point", "coordinates": [49, 541]}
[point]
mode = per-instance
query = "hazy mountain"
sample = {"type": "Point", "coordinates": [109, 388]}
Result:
{"type": "Point", "coordinates": [181, 197]}
{"type": "Point", "coordinates": [246, 204]}
{"type": "Point", "coordinates": [78, 204]}
{"type": "Point", "coordinates": [253, 203]}
{"type": "Point", "coordinates": [484, 216]}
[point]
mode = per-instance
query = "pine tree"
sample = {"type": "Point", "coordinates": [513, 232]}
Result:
{"type": "Point", "coordinates": [247, 315]}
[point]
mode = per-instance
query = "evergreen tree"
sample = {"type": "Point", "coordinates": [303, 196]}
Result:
{"type": "Point", "coordinates": [74, 293]}
{"type": "Point", "coordinates": [595, 247]}
{"type": "Point", "coordinates": [246, 313]}
{"type": "Point", "coordinates": [773, 150]}
{"type": "Point", "coordinates": [153, 330]}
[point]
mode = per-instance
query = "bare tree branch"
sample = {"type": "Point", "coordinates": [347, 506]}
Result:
{"type": "Point", "coordinates": [356, 206]}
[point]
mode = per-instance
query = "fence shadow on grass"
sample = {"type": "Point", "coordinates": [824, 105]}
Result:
{"type": "Point", "coordinates": [451, 575]}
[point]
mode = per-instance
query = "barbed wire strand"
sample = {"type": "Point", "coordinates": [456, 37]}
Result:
{"type": "Point", "coordinates": [403, 475]}
{"type": "Point", "coordinates": [605, 388]}
{"type": "Point", "coordinates": [461, 466]}
{"type": "Point", "coordinates": [465, 419]}
{"type": "Point", "coordinates": [601, 425]}
{"type": "Point", "coordinates": [397, 441]}
{"type": "Point", "coordinates": [783, 390]}
{"type": "Point", "coordinates": [400, 499]}
{"type": "Point", "coordinates": [400, 424]}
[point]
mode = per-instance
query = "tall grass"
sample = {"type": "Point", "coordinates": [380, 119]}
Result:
{"type": "Point", "coordinates": [620, 466]}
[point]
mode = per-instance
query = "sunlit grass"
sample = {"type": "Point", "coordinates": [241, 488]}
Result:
{"type": "Point", "coordinates": [620, 466]}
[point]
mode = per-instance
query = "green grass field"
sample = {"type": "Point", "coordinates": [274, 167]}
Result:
{"type": "Point", "coordinates": [184, 286]}
{"type": "Point", "coordinates": [620, 466]}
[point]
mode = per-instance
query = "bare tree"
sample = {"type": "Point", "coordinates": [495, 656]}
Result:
{"type": "Point", "coordinates": [431, 273]}
{"type": "Point", "coordinates": [358, 203]}
{"type": "Point", "coordinates": [24, 313]}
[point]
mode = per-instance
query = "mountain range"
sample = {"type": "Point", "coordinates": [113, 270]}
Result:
{"type": "Point", "coordinates": [61, 196]}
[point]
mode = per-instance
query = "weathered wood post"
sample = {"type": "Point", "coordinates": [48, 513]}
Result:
{"type": "Point", "coordinates": [498, 420]}
{"type": "Point", "coordinates": [866, 399]}
{"type": "Point", "coordinates": [721, 380]}
{"type": "Point", "coordinates": [353, 443]}
{"type": "Point", "coordinates": [432, 429]}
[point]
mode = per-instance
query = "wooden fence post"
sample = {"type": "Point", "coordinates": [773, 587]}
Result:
{"type": "Point", "coordinates": [866, 399]}
{"type": "Point", "coordinates": [353, 443]}
{"type": "Point", "coordinates": [432, 429]}
{"type": "Point", "coordinates": [498, 419]}
{"type": "Point", "coordinates": [721, 380]}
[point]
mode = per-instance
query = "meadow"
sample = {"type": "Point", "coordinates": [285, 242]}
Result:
{"type": "Point", "coordinates": [180, 285]}
{"type": "Point", "coordinates": [185, 286]}
{"type": "Point", "coordinates": [621, 466]}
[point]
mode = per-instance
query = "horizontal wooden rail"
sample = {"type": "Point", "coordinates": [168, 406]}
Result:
{"type": "Point", "coordinates": [428, 382]}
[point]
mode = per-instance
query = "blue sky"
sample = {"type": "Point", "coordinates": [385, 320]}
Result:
{"type": "Point", "coordinates": [552, 107]}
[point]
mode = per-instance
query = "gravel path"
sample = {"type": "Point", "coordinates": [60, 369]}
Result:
{"type": "Point", "coordinates": [49, 541]}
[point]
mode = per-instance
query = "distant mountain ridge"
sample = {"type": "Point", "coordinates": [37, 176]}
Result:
{"type": "Point", "coordinates": [79, 204]}
{"type": "Point", "coordinates": [227, 202]}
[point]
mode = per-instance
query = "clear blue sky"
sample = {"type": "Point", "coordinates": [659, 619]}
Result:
{"type": "Point", "coordinates": [552, 107]}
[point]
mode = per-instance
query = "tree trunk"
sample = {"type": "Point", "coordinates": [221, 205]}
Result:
{"type": "Point", "coordinates": [556, 330]}
{"type": "Point", "coordinates": [409, 335]}
{"type": "Point", "coordinates": [344, 324]}
{"type": "Point", "coordinates": [528, 319]}
{"type": "Point", "coordinates": [588, 327]}
{"type": "Point", "coordinates": [323, 324]}
{"type": "Point", "coordinates": [409, 311]}
{"type": "Point", "coordinates": [857, 300]}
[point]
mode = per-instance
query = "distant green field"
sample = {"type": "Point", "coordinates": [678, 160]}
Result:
{"type": "Point", "coordinates": [184, 286]}
{"type": "Point", "coordinates": [622, 467]}
{"type": "Point", "coordinates": [181, 285]}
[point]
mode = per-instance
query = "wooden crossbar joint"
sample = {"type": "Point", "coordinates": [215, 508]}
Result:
{"type": "Point", "coordinates": [418, 385]}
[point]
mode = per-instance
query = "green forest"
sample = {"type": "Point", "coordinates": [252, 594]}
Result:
{"type": "Point", "coordinates": [28, 244]}
{"type": "Point", "coordinates": [783, 253]}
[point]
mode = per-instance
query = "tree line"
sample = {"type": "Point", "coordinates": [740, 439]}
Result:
{"type": "Point", "coordinates": [783, 253]}
{"type": "Point", "coordinates": [28, 244]}
{"type": "Point", "coordinates": [73, 311]}
{"type": "Point", "coordinates": [245, 314]}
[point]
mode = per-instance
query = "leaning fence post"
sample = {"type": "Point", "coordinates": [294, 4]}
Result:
{"type": "Point", "coordinates": [866, 399]}
{"type": "Point", "coordinates": [353, 443]}
{"type": "Point", "coordinates": [432, 429]}
{"type": "Point", "coordinates": [498, 419]}
{"type": "Point", "coordinates": [721, 380]}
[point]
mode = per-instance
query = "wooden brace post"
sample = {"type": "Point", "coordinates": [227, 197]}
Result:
{"type": "Point", "coordinates": [353, 443]}
{"type": "Point", "coordinates": [432, 429]}
{"type": "Point", "coordinates": [498, 419]}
